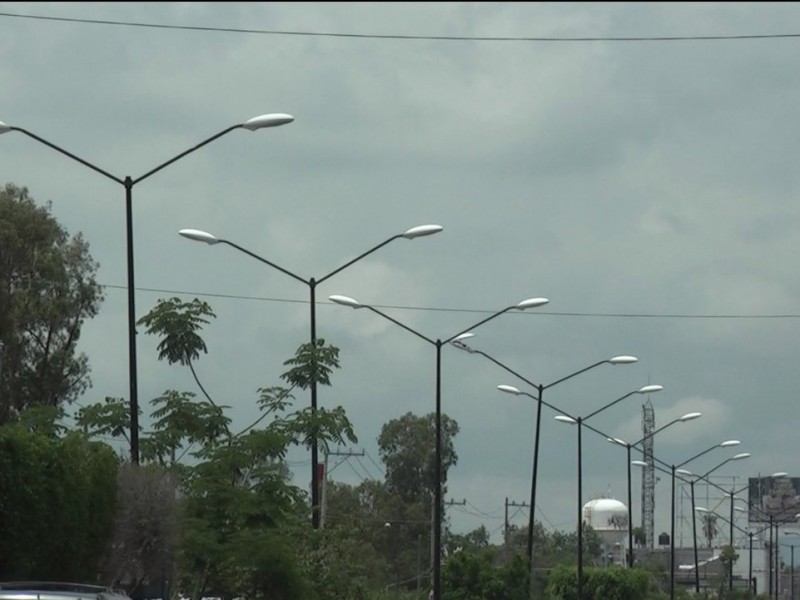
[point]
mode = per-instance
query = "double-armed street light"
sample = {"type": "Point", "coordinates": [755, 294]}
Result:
{"type": "Point", "coordinates": [682, 419]}
{"type": "Point", "coordinates": [540, 389]}
{"type": "Point", "coordinates": [673, 470]}
{"type": "Point", "coordinates": [438, 344]}
{"type": "Point", "coordinates": [648, 389]}
{"type": "Point", "coordinates": [772, 521]}
{"type": "Point", "coordinates": [312, 283]}
{"type": "Point", "coordinates": [254, 124]}
{"type": "Point", "coordinates": [705, 477]}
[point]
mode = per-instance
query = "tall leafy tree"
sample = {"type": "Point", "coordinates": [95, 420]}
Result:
{"type": "Point", "coordinates": [243, 525]}
{"type": "Point", "coordinates": [47, 291]}
{"type": "Point", "coordinates": [407, 447]}
{"type": "Point", "coordinates": [57, 503]}
{"type": "Point", "coordinates": [710, 528]}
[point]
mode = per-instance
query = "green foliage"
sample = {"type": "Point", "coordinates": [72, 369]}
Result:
{"type": "Point", "coordinates": [108, 418]}
{"type": "Point", "coordinates": [179, 419]}
{"type": "Point", "coordinates": [472, 576]}
{"type": "Point", "coordinates": [407, 447]}
{"type": "Point", "coordinates": [178, 324]}
{"type": "Point", "coordinates": [639, 536]}
{"type": "Point", "coordinates": [710, 528]}
{"type": "Point", "coordinates": [311, 362]}
{"type": "Point", "coordinates": [57, 502]}
{"type": "Point", "coordinates": [610, 583]}
{"type": "Point", "coordinates": [47, 290]}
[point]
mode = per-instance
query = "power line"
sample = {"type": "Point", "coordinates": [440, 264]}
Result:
{"type": "Point", "coordinates": [444, 38]}
{"type": "Point", "coordinates": [474, 310]}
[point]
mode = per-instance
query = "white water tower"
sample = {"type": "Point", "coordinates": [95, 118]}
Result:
{"type": "Point", "coordinates": [609, 518]}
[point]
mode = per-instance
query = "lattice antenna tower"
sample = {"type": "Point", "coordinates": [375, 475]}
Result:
{"type": "Point", "coordinates": [648, 475]}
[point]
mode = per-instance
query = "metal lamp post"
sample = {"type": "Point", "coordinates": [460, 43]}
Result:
{"type": "Point", "coordinates": [733, 494]}
{"type": "Point", "coordinates": [705, 477]}
{"type": "Point", "coordinates": [682, 419]}
{"type": "Point", "coordinates": [648, 389]}
{"type": "Point", "coordinates": [413, 233]}
{"type": "Point", "coordinates": [791, 567]}
{"type": "Point", "coordinates": [616, 360]}
{"type": "Point", "coordinates": [438, 344]}
{"type": "Point", "coordinates": [673, 469]}
{"type": "Point", "coordinates": [260, 122]}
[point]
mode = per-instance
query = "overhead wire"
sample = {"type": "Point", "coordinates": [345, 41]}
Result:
{"type": "Point", "coordinates": [408, 37]}
{"type": "Point", "coordinates": [616, 315]}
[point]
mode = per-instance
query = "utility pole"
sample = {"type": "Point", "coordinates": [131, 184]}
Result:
{"type": "Point", "coordinates": [506, 539]}
{"type": "Point", "coordinates": [324, 493]}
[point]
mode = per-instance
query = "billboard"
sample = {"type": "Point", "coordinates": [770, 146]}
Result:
{"type": "Point", "coordinates": [776, 497]}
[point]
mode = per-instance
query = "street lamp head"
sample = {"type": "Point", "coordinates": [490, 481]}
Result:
{"type": "Point", "coordinates": [683, 472]}
{"type": "Point", "coordinates": [779, 474]}
{"type": "Point", "coordinates": [199, 236]}
{"type": "Point", "coordinates": [345, 301]}
{"type": "Point", "coordinates": [421, 231]}
{"type": "Point", "coordinates": [462, 336]}
{"type": "Point", "coordinates": [741, 456]}
{"type": "Point", "coordinates": [565, 419]}
{"type": "Point", "coordinates": [531, 303]}
{"type": "Point", "coordinates": [648, 389]}
{"type": "Point", "coordinates": [617, 441]}
{"type": "Point", "coordinates": [690, 416]}
{"type": "Point", "coordinates": [4, 128]}
{"type": "Point", "coordinates": [271, 120]}
{"type": "Point", "coordinates": [701, 509]}
{"type": "Point", "coordinates": [729, 443]}
{"type": "Point", "coordinates": [623, 360]}
{"type": "Point", "coordinates": [639, 463]}
{"type": "Point", "coordinates": [509, 389]}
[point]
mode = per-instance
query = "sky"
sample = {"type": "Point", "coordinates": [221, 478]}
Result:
{"type": "Point", "coordinates": [634, 163]}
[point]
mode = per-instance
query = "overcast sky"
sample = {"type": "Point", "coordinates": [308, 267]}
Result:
{"type": "Point", "coordinates": [648, 188]}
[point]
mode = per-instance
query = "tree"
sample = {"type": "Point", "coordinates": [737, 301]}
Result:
{"type": "Point", "coordinates": [47, 291]}
{"type": "Point", "coordinates": [57, 501]}
{"type": "Point", "coordinates": [407, 447]}
{"type": "Point", "coordinates": [709, 525]}
{"type": "Point", "coordinates": [639, 537]}
{"type": "Point", "coordinates": [244, 529]}
{"type": "Point", "coordinates": [727, 557]}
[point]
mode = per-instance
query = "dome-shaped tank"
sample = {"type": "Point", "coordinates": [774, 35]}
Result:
{"type": "Point", "coordinates": [608, 517]}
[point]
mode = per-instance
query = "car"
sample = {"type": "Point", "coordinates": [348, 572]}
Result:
{"type": "Point", "coordinates": [56, 590]}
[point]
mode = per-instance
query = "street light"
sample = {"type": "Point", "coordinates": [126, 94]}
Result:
{"type": "Point", "coordinates": [682, 419]}
{"type": "Point", "coordinates": [772, 520]}
{"type": "Point", "coordinates": [705, 477]}
{"type": "Point", "coordinates": [260, 122]}
{"type": "Point", "coordinates": [791, 572]}
{"type": "Point", "coordinates": [615, 360]}
{"type": "Point", "coordinates": [673, 470]}
{"type": "Point", "coordinates": [438, 343]}
{"type": "Point", "coordinates": [648, 389]}
{"type": "Point", "coordinates": [413, 233]}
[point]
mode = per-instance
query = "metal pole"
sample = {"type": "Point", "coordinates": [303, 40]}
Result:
{"type": "Point", "coordinates": [672, 542]}
{"type": "Point", "coordinates": [437, 509]}
{"type": "Point", "coordinates": [769, 561]}
{"type": "Point", "coordinates": [791, 576]}
{"type": "Point", "coordinates": [750, 565]}
{"type": "Point", "coordinates": [580, 515]}
{"type": "Point", "coordinates": [777, 558]}
{"type": "Point", "coordinates": [532, 513]}
{"type": "Point", "coordinates": [133, 386]}
{"type": "Point", "coordinates": [630, 512]}
{"type": "Point", "coordinates": [314, 450]}
{"type": "Point", "coordinates": [730, 566]}
{"type": "Point", "coordinates": [694, 543]}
